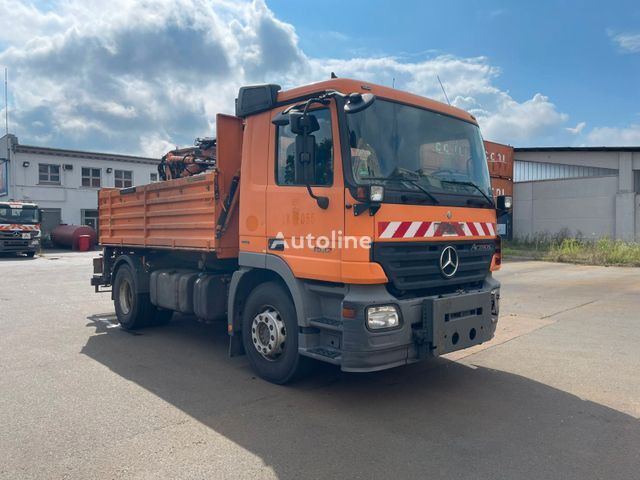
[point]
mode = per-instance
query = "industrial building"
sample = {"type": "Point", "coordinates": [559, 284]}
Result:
{"type": "Point", "coordinates": [585, 192]}
{"type": "Point", "coordinates": [582, 192]}
{"type": "Point", "coordinates": [65, 183]}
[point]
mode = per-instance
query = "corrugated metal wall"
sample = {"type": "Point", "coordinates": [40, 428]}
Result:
{"type": "Point", "coordinates": [534, 171]}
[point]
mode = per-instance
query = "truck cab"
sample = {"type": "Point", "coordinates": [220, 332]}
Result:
{"type": "Point", "coordinates": [19, 228]}
{"type": "Point", "coordinates": [341, 221]}
{"type": "Point", "coordinates": [389, 236]}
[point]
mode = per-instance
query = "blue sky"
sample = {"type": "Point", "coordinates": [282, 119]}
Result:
{"type": "Point", "coordinates": [565, 50]}
{"type": "Point", "coordinates": [142, 77]}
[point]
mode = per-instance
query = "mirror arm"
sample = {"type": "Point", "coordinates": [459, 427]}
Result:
{"type": "Point", "coordinates": [323, 202]}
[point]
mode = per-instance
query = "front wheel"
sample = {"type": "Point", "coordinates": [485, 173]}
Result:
{"type": "Point", "coordinates": [270, 334]}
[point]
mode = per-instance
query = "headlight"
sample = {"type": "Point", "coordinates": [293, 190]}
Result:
{"type": "Point", "coordinates": [508, 202]}
{"type": "Point", "coordinates": [382, 317]}
{"type": "Point", "coordinates": [495, 302]}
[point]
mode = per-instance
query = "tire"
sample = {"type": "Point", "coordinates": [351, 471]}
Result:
{"type": "Point", "coordinates": [133, 310]}
{"type": "Point", "coordinates": [269, 305]}
{"type": "Point", "coordinates": [30, 254]}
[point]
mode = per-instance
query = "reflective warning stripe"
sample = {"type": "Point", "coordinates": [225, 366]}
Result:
{"type": "Point", "coordinates": [435, 229]}
{"type": "Point", "coordinates": [15, 226]}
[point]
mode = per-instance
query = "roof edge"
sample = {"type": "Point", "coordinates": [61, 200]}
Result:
{"type": "Point", "coordinates": [64, 152]}
{"type": "Point", "coordinates": [578, 149]}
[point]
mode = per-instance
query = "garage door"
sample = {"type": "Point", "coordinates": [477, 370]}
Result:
{"type": "Point", "coordinates": [51, 218]}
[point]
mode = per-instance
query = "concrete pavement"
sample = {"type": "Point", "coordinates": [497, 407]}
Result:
{"type": "Point", "coordinates": [555, 395]}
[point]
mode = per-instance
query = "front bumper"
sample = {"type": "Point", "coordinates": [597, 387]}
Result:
{"type": "Point", "coordinates": [19, 245]}
{"type": "Point", "coordinates": [430, 326]}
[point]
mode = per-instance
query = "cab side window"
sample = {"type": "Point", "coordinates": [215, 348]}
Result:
{"type": "Point", "coordinates": [288, 171]}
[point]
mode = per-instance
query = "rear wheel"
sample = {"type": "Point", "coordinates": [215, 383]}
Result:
{"type": "Point", "coordinates": [270, 334]}
{"type": "Point", "coordinates": [134, 310]}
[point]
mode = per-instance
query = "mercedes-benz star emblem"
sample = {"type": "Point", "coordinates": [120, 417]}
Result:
{"type": "Point", "coordinates": [449, 261]}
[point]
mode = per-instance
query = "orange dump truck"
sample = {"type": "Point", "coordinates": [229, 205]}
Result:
{"type": "Point", "coordinates": [341, 221]}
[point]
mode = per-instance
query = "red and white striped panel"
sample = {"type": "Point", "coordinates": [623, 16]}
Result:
{"type": "Point", "coordinates": [7, 226]}
{"type": "Point", "coordinates": [435, 229]}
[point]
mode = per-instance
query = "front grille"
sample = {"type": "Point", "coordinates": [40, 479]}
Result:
{"type": "Point", "coordinates": [414, 266]}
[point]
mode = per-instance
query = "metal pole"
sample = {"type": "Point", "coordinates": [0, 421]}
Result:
{"type": "Point", "coordinates": [6, 101]}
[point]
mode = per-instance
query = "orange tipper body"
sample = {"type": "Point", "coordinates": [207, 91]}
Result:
{"type": "Point", "coordinates": [369, 206]}
{"type": "Point", "coordinates": [19, 227]}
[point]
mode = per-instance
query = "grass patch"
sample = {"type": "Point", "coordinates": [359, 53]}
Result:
{"type": "Point", "coordinates": [573, 250]}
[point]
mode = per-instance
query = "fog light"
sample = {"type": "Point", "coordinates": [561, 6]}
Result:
{"type": "Point", "coordinates": [376, 193]}
{"type": "Point", "coordinates": [495, 302]}
{"type": "Point", "coordinates": [382, 317]}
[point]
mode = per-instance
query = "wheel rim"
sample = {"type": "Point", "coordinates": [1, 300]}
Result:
{"type": "Point", "coordinates": [125, 296]}
{"type": "Point", "coordinates": [268, 333]}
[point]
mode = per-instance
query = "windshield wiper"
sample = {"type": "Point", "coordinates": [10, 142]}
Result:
{"type": "Point", "coordinates": [471, 184]}
{"type": "Point", "coordinates": [401, 176]}
{"type": "Point", "coordinates": [415, 183]}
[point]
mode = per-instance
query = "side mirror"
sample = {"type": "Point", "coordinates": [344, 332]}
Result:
{"type": "Point", "coordinates": [504, 202]}
{"type": "Point", "coordinates": [306, 155]}
{"type": "Point", "coordinates": [303, 123]}
{"type": "Point", "coordinates": [356, 102]}
{"type": "Point", "coordinates": [306, 158]}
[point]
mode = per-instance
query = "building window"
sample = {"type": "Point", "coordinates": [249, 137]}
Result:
{"type": "Point", "coordinates": [153, 177]}
{"type": "Point", "coordinates": [290, 172]}
{"type": "Point", "coordinates": [90, 177]}
{"type": "Point", "coordinates": [123, 178]}
{"type": "Point", "coordinates": [90, 218]}
{"type": "Point", "coordinates": [48, 174]}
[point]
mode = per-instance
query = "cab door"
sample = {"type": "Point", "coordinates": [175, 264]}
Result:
{"type": "Point", "coordinates": [298, 230]}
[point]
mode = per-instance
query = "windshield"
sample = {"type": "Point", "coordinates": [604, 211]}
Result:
{"type": "Point", "coordinates": [18, 215]}
{"type": "Point", "coordinates": [410, 150]}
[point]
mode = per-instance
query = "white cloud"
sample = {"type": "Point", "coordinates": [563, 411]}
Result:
{"type": "Point", "coordinates": [577, 130]}
{"type": "Point", "coordinates": [625, 136]}
{"type": "Point", "coordinates": [627, 42]}
{"type": "Point", "coordinates": [468, 83]}
{"type": "Point", "coordinates": [138, 77]}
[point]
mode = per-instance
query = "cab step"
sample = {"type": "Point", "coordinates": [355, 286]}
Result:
{"type": "Point", "coordinates": [327, 323]}
{"type": "Point", "coordinates": [324, 354]}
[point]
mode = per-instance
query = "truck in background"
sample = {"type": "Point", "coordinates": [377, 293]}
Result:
{"type": "Point", "coordinates": [19, 228]}
{"type": "Point", "coordinates": [341, 221]}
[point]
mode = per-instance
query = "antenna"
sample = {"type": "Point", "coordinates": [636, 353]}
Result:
{"type": "Point", "coordinates": [393, 83]}
{"type": "Point", "coordinates": [6, 102]}
{"type": "Point", "coordinates": [443, 90]}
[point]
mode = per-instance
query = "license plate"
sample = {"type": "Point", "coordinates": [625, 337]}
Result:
{"type": "Point", "coordinates": [26, 235]}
